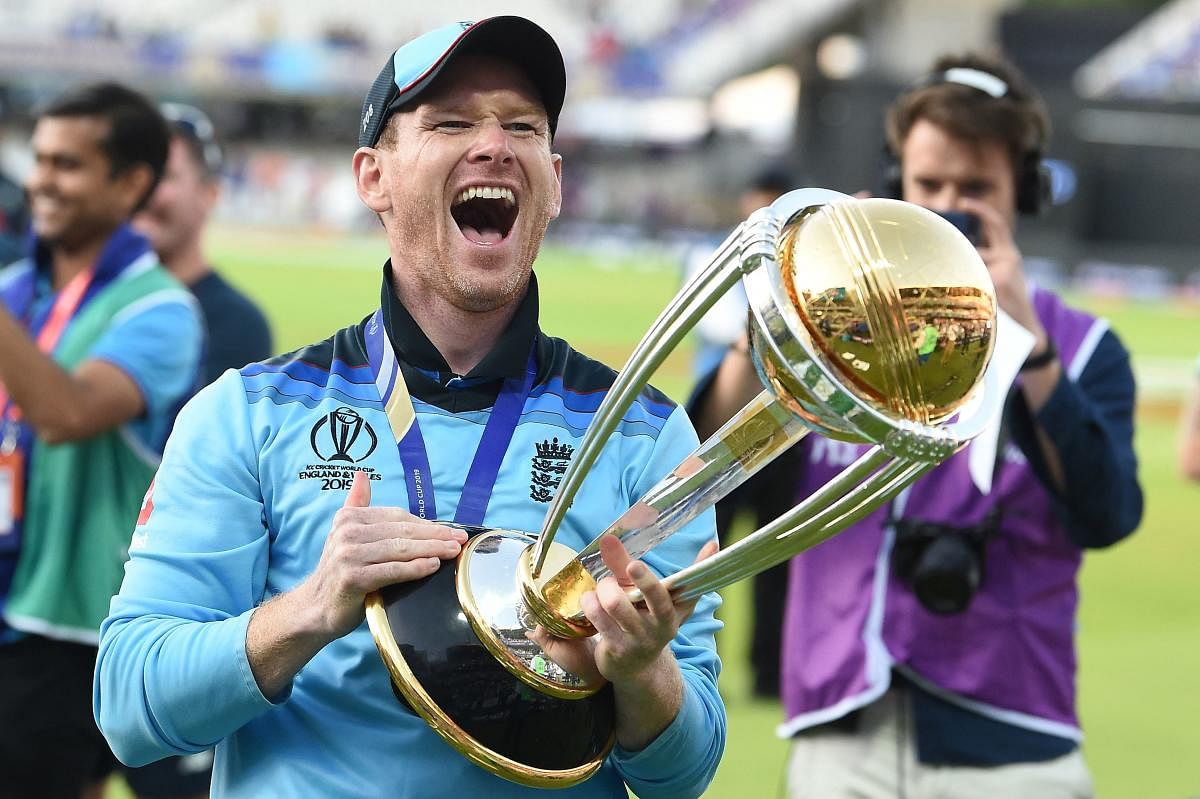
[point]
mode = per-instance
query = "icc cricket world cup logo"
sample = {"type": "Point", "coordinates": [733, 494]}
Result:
{"type": "Point", "coordinates": [344, 440]}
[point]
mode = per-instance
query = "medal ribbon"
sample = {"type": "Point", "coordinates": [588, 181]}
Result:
{"type": "Point", "coordinates": [497, 434]}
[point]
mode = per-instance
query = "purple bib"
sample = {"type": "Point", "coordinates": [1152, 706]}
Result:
{"type": "Point", "coordinates": [1010, 656]}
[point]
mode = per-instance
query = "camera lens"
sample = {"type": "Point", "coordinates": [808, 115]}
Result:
{"type": "Point", "coordinates": [947, 575]}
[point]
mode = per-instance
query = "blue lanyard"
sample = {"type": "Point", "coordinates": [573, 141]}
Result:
{"type": "Point", "coordinates": [497, 434]}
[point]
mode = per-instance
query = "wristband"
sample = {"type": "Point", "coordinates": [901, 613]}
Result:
{"type": "Point", "coordinates": [1045, 358]}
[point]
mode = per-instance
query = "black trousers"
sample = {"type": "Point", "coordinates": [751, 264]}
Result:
{"type": "Point", "coordinates": [49, 743]}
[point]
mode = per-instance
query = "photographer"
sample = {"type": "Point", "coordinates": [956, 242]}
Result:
{"type": "Point", "coordinates": [929, 649]}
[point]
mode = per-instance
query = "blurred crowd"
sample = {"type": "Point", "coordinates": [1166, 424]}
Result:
{"type": "Point", "coordinates": [929, 650]}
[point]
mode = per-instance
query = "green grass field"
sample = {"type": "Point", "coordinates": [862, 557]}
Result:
{"type": "Point", "coordinates": [1139, 633]}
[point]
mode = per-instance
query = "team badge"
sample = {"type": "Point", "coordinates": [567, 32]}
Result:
{"type": "Point", "coordinates": [548, 467]}
{"type": "Point", "coordinates": [341, 439]}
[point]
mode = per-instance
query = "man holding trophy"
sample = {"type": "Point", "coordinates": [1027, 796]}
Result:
{"type": "Point", "coordinates": [929, 650]}
{"type": "Point", "coordinates": [294, 489]}
{"type": "Point", "coordinates": [583, 662]}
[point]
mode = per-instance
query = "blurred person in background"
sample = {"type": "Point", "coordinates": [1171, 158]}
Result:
{"type": "Point", "coordinates": [769, 493]}
{"type": "Point", "coordinates": [726, 320]}
{"type": "Point", "coordinates": [14, 220]}
{"type": "Point", "coordinates": [1189, 430]}
{"type": "Point", "coordinates": [240, 623]}
{"type": "Point", "coordinates": [929, 649]}
{"type": "Point", "coordinates": [99, 347]}
{"type": "Point", "coordinates": [175, 219]}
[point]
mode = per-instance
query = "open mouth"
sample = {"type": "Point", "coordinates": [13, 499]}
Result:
{"type": "Point", "coordinates": [485, 214]}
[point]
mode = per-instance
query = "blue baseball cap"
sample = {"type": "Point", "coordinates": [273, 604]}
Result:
{"type": "Point", "coordinates": [415, 65]}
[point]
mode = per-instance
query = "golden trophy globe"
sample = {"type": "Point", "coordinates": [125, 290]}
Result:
{"type": "Point", "coordinates": [871, 321]}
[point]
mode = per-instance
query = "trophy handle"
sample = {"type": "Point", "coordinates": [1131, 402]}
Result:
{"type": "Point", "coordinates": [741, 253]}
{"type": "Point", "coordinates": [677, 319]}
{"type": "Point", "coordinates": [758, 433]}
{"type": "Point", "coordinates": [876, 478]}
{"type": "Point", "coordinates": [858, 491]}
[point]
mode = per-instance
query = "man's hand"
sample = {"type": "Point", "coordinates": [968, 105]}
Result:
{"type": "Point", "coordinates": [1007, 268]}
{"type": "Point", "coordinates": [631, 648]}
{"type": "Point", "coordinates": [367, 549]}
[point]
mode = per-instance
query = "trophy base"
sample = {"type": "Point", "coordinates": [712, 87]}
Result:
{"type": "Point", "coordinates": [449, 675]}
{"type": "Point", "coordinates": [502, 605]}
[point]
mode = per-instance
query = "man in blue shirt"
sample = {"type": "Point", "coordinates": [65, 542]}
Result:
{"type": "Point", "coordinates": [283, 498]}
{"type": "Point", "coordinates": [99, 347]}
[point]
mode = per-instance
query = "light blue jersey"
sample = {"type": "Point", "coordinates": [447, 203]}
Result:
{"type": "Point", "coordinates": [240, 510]}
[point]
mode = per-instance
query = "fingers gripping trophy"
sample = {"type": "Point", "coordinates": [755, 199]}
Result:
{"type": "Point", "coordinates": [871, 321]}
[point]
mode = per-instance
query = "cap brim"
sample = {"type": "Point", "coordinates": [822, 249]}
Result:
{"type": "Point", "coordinates": [416, 65]}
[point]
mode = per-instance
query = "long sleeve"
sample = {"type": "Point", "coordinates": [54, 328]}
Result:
{"type": "Point", "coordinates": [197, 566]}
{"type": "Point", "coordinates": [240, 512]}
{"type": "Point", "coordinates": [682, 760]}
{"type": "Point", "coordinates": [1090, 423]}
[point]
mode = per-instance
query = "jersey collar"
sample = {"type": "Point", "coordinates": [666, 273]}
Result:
{"type": "Point", "coordinates": [425, 370]}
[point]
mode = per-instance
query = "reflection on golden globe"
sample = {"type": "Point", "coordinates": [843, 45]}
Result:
{"type": "Point", "coordinates": [896, 300]}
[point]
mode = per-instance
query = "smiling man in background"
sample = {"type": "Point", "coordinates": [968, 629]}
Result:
{"type": "Point", "coordinates": [175, 219]}
{"type": "Point", "coordinates": [99, 347]}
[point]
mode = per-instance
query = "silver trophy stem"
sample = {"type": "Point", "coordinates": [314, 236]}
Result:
{"type": "Point", "coordinates": [872, 480]}
{"type": "Point", "coordinates": [676, 321]}
{"type": "Point", "coordinates": [807, 391]}
{"type": "Point", "coordinates": [777, 542]}
{"type": "Point", "coordinates": [831, 499]}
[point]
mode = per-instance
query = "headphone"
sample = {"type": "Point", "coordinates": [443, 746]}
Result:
{"type": "Point", "coordinates": [1033, 189]}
